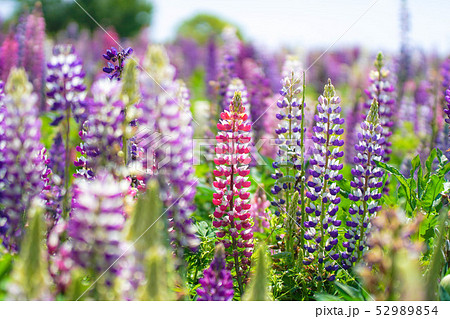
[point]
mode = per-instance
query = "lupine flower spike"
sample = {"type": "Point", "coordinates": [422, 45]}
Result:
{"type": "Point", "coordinates": [217, 283]}
{"type": "Point", "coordinates": [322, 224]}
{"type": "Point", "coordinates": [116, 62]}
{"type": "Point", "coordinates": [289, 160]}
{"type": "Point", "coordinates": [366, 183]}
{"type": "Point", "coordinates": [21, 164]}
{"type": "Point", "coordinates": [232, 216]}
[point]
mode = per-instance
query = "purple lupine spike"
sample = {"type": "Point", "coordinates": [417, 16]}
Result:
{"type": "Point", "coordinates": [381, 88]}
{"type": "Point", "coordinates": [57, 156]}
{"type": "Point", "coordinates": [288, 162]}
{"type": "Point", "coordinates": [447, 108]}
{"type": "Point", "coordinates": [211, 67]}
{"type": "Point", "coordinates": [21, 165]}
{"type": "Point", "coordinates": [445, 72]}
{"type": "Point", "coordinates": [116, 62]}
{"type": "Point", "coordinates": [96, 222]}
{"type": "Point", "coordinates": [259, 91]}
{"type": "Point", "coordinates": [65, 84]}
{"type": "Point", "coordinates": [366, 184]}
{"type": "Point", "coordinates": [177, 176]}
{"type": "Point", "coordinates": [217, 283]}
{"type": "Point", "coordinates": [227, 68]}
{"type": "Point", "coordinates": [322, 224]}
{"type": "Point", "coordinates": [9, 56]}
{"type": "Point", "coordinates": [34, 53]}
{"type": "Point", "coordinates": [102, 131]}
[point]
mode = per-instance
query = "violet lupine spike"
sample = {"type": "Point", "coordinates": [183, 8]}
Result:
{"type": "Point", "coordinates": [231, 215]}
{"type": "Point", "coordinates": [259, 91]}
{"type": "Point", "coordinates": [381, 88]}
{"type": "Point", "coordinates": [447, 107]}
{"type": "Point", "coordinates": [322, 224]}
{"type": "Point", "coordinates": [177, 175]}
{"type": "Point", "coordinates": [366, 184]}
{"type": "Point", "coordinates": [65, 84]}
{"type": "Point", "coordinates": [9, 56]}
{"type": "Point", "coordinates": [102, 131]}
{"type": "Point", "coordinates": [21, 165]}
{"type": "Point", "coordinates": [211, 67]}
{"type": "Point", "coordinates": [96, 222]}
{"type": "Point", "coordinates": [228, 68]}
{"type": "Point", "coordinates": [217, 283]}
{"type": "Point", "coordinates": [116, 62]}
{"type": "Point", "coordinates": [288, 162]}
{"type": "Point", "coordinates": [259, 211]}
{"type": "Point", "coordinates": [34, 52]}
{"type": "Point", "coordinates": [57, 156]}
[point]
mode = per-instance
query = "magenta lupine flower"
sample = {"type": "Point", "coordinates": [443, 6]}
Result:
{"type": "Point", "coordinates": [322, 224]}
{"type": "Point", "coordinates": [65, 83]}
{"type": "Point", "coordinates": [21, 165]}
{"type": "Point", "coordinates": [259, 211]}
{"type": "Point", "coordinates": [177, 175]}
{"type": "Point", "coordinates": [381, 88]}
{"type": "Point", "coordinates": [116, 61]}
{"type": "Point", "coordinates": [102, 131]}
{"type": "Point", "coordinates": [96, 222]}
{"type": "Point", "coordinates": [60, 256]}
{"type": "Point", "coordinates": [366, 183]}
{"type": "Point", "coordinates": [217, 283]}
{"type": "Point", "coordinates": [232, 216]}
{"type": "Point", "coordinates": [9, 56]}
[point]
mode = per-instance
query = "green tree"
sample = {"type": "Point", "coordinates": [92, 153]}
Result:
{"type": "Point", "coordinates": [127, 17]}
{"type": "Point", "coordinates": [202, 26]}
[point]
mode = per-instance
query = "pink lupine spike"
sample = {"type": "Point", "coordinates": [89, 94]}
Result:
{"type": "Point", "coordinates": [233, 220]}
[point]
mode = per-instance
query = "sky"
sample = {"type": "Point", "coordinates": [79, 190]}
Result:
{"type": "Point", "coordinates": [374, 24]}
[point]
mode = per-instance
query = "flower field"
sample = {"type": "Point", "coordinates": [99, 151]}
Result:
{"type": "Point", "coordinates": [212, 169]}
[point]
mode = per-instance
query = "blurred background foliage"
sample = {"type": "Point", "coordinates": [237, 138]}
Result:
{"type": "Point", "coordinates": [128, 17]}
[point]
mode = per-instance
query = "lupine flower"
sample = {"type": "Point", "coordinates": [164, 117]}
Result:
{"type": "Point", "coordinates": [322, 224]}
{"type": "Point", "coordinates": [447, 108]}
{"type": "Point", "coordinates": [217, 283]}
{"type": "Point", "coordinates": [65, 85]}
{"type": "Point", "coordinates": [33, 52]}
{"type": "Point", "coordinates": [211, 67]}
{"type": "Point", "coordinates": [102, 132]}
{"type": "Point", "coordinates": [116, 61]}
{"type": "Point", "coordinates": [366, 183]}
{"type": "Point", "coordinates": [21, 165]}
{"type": "Point", "coordinates": [259, 90]}
{"type": "Point", "coordinates": [232, 216]}
{"type": "Point", "coordinates": [57, 156]}
{"type": "Point", "coordinates": [228, 68]}
{"type": "Point", "coordinates": [60, 256]}
{"type": "Point", "coordinates": [288, 162]}
{"type": "Point", "coordinates": [445, 72]}
{"type": "Point", "coordinates": [96, 222]}
{"type": "Point", "coordinates": [381, 89]}
{"type": "Point", "coordinates": [177, 175]}
{"type": "Point", "coordinates": [259, 211]}
{"type": "Point", "coordinates": [9, 55]}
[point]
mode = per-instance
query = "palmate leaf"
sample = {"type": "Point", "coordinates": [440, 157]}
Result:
{"type": "Point", "coordinates": [410, 194]}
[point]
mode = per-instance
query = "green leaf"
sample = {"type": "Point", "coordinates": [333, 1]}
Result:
{"type": "Point", "coordinates": [443, 294]}
{"type": "Point", "coordinates": [410, 194]}
{"type": "Point", "coordinates": [430, 160]}
{"type": "Point", "coordinates": [348, 293]}
{"type": "Point", "coordinates": [433, 188]}
{"type": "Point", "coordinates": [345, 187]}
{"type": "Point", "coordinates": [326, 297]}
